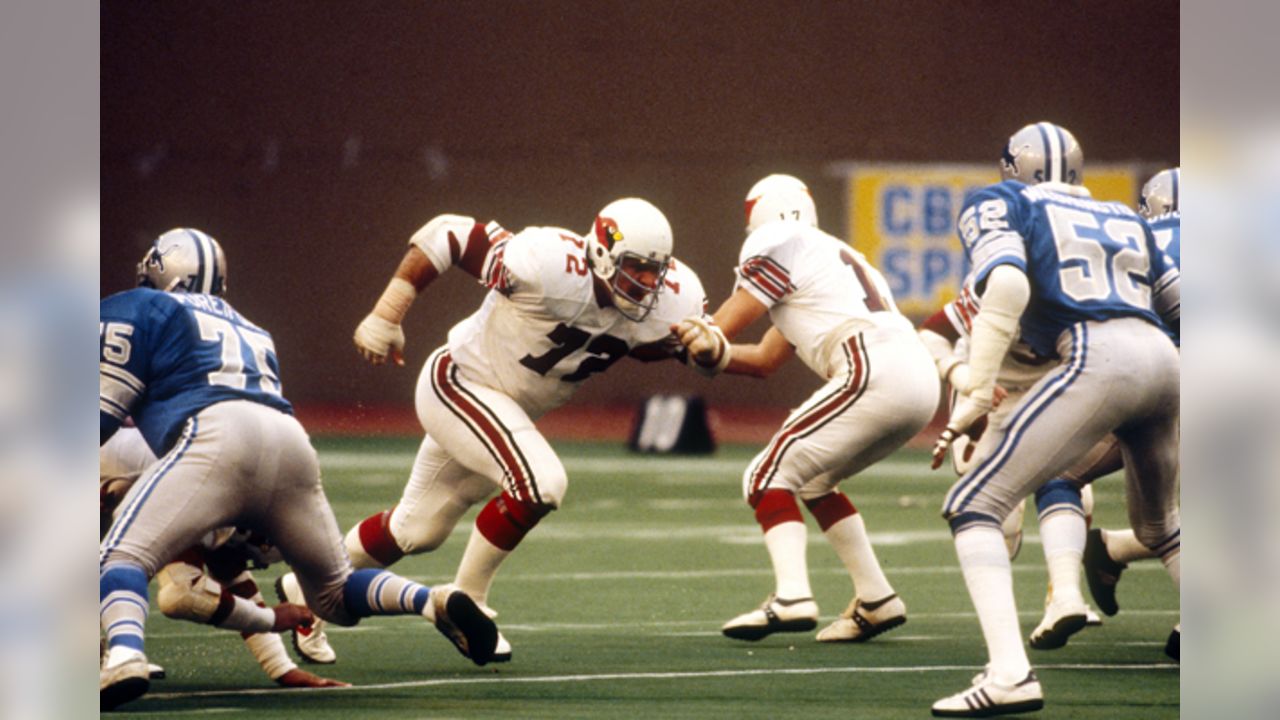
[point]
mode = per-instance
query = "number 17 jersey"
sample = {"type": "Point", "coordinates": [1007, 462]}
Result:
{"type": "Point", "coordinates": [163, 357]}
{"type": "Point", "coordinates": [1085, 259]}
{"type": "Point", "coordinates": [818, 290]}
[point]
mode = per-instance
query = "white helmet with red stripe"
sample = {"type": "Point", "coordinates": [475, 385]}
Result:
{"type": "Point", "coordinates": [780, 197]}
{"type": "Point", "coordinates": [629, 247]}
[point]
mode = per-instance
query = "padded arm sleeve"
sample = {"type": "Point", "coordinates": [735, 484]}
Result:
{"type": "Point", "coordinates": [442, 239]}
{"type": "Point", "coordinates": [995, 327]}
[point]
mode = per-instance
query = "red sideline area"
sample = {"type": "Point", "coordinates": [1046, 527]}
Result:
{"type": "Point", "coordinates": [749, 425]}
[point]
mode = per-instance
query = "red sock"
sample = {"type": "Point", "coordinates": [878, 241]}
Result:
{"type": "Point", "coordinates": [505, 521]}
{"type": "Point", "coordinates": [775, 507]}
{"type": "Point", "coordinates": [375, 536]}
{"type": "Point", "coordinates": [830, 509]}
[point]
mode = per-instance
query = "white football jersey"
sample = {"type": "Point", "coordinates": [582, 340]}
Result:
{"type": "Point", "coordinates": [541, 330]}
{"type": "Point", "coordinates": [125, 455]}
{"type": "Point", "coordinates": [1021, 367]}
{"type": "Point", "coordinates": [818, 289]}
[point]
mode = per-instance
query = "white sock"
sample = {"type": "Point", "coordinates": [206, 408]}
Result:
{"type": "Point", "coordinates": [849, 539]}
{"type": "Point", "coordinates": [480, 563]}
{"type": "Point", "coordinates": [985, 563]}
{"type": "Point", "coordinates": [360, 559]}
{"type": "Point", "coordinates": [787, 543]}
{"type": "Point", "coordinates": [1062, 533]}
{"type": "Point", "coordinates": [1123, 546]}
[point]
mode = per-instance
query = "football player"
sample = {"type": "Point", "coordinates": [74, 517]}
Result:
{"type": "Point", "coordinates": [832, 308]}
{"type": "Point", "coordinates": [560, 308]}
{"type": "Point", "coordinates": [202, 384]}
{"type": "Point", "coordinates": [1108, 552]}
{"type": "Point", "coordinates": [186, 591]}
{"type": "Point", "coordinates": [1082, 282]}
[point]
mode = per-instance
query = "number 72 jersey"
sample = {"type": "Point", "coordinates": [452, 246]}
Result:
{"type": "Point", "coordinates": [163, 357]}
{"type": "Point", "coordinates": [1085, 259]}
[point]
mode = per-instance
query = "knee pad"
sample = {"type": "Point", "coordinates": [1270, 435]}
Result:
{"type": "Point", "coordinates": [186, 593]}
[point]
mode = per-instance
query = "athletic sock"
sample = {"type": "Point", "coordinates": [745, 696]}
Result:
{"type": "Point", "coordinates": [786, 539]}
{"type": "Point", "coordinates": [849, 538]}
{"type": "Point", "coordinates": [499, 528]}
{"type": "Point", "coordinates": [122, 609]}
{"type": "Point", "coordinates": [985, 564]}
{"type": "Point", "coordinates": [1062, 533]}
{"type": "Point", "coordinates": [382, 592]}
{"type": "Point", "coordinates": [370, 544]}
{"type": "Point", "coordinates": [1123, 546]}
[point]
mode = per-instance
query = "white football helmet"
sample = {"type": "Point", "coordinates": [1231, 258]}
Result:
{"type": "Point", "coordinates": [1160, 194]}
{"type": "Point", "coordinates": [1042, 152]}
{"type": "Point", "coordinates": [780, 197]}
{"type": "Point", "coordinates": [184, 260]}
{"type": "Point", "coordinates": [629, 247]}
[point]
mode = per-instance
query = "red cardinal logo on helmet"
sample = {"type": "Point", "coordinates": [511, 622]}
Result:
{"type": "Point", "coordinates": [607, 232]}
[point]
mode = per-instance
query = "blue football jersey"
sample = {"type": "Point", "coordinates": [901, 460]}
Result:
{"type": "Point", "coordinates": [166, 356]}
{"type": "Point", "coordinates": [1168, 234]}
{"type": "Point", "coordinates": [1085, 259]}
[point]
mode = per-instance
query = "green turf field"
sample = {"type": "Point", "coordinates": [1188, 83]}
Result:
{"type": "Point", "coordinates": [613, 607]}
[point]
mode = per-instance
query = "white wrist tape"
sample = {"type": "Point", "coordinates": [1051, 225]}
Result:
{"type": "Point", "coordinates": [395, 300]}
{"type": "Point", "coordinates": [701, 336]}
{"type": "Point", "coordinates": [268, 650]}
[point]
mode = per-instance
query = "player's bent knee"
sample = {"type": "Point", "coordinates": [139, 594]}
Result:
{"type": "Point", "coordinates": [186, 593]}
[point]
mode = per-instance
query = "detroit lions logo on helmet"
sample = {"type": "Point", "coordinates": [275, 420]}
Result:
{"type": "Point", "coordinates": [1009, 159]}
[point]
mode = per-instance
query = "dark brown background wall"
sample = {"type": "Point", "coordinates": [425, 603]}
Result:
{"type": "Point", "coordinates": [313, 138]}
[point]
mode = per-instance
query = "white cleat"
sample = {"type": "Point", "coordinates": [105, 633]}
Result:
{"type": "Point", "coordinates": [987, 698]}
{"type": "Point", "coordinates": [1061, 621]}
{"type": "Point", "coordinates": [775, 615]}
{"type": "Point", "coordinates": [311, 643]}
{"type": "Point", "coordinates": [862, 621]}
{"type": "Point", "coordinates": [155, 672]}
{"type": "Point", "coordinates": [464, 623]}
{"type": "Point", "coordinates": [123, 682]}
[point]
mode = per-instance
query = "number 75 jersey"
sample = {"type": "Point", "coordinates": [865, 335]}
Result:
{"type": "Point", "coordinates": [1085, 259]}
{"type": "Point", "coordinates": [163, 357]}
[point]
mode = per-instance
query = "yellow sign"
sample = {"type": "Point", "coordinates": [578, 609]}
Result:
{"type": "Point", "coordinates": [903, 218]}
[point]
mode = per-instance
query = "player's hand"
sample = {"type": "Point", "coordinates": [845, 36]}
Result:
{"type": "Point", "coordinates": [299, 678]}
{"type": "Point", "coordinates": [706, 343]}
{"type": "Point", "coordinates": [997, 396]}
{"type": "Point", "coordinates": [378, 339]}
{"type": "Point", "coordinates": [290, 616]}
{"type": "Point", "coordinates": [941, 445]}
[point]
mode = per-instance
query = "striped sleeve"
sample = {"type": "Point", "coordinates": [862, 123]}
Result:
{"type": "Point", "coordinates": [118, 390]}
{"type": "Point", "coordinates": [764, 278]}
{"type": "Point", "coordinates": [494, 274]}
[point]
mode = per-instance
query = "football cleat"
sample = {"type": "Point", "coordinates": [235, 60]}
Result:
{"type": "Point", "coordinates": [1173, 647]}
{"type": "Point", "coordinates": [155, 672]}
{"type": "Point", "coordinates": [461, 620]}
{"type": "Point", "coordinates": [122, 682]}
{"type": "Point", "coordinates": [1061, 621]}
{"type": "Point", "coordinates": [987, 698]}
{"type": "Point", "coordinates": [775, 615]}
{"type": "Point", "coordinates": [1091, 617]}
{"type": "Point", "coordinates": [1101, 572]}
{"type": "Point", "coordinates": [862, 621]}
{"type": "Point", "coordinates": [312, 644]}
{"type": "Point", "coordinates": [501, 652]}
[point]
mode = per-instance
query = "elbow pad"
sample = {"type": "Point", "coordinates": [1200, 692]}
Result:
{"type": "Point", "coordinates": [442, 239]}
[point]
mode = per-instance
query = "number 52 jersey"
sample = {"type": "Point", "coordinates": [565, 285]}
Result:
{"type": "Point", "coordinates": [163, 357]}
{"type": "Point", "coordinates": [1085, 259]}
{"type": "Point", "coordinates": [542, 330]}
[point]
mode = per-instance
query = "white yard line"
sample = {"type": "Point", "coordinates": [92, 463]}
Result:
{"type": "Point", "coordinates": [697, 674]}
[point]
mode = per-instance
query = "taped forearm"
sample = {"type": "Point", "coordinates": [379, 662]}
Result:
{"type": "Point", "coordinates": [944, 354]}
{"type": "Point", "coordinates": [268, 650]}
{"type": "Point", "coordinates": [995, 328]}
{"type": "Point", "coordinates": [395, 300]}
